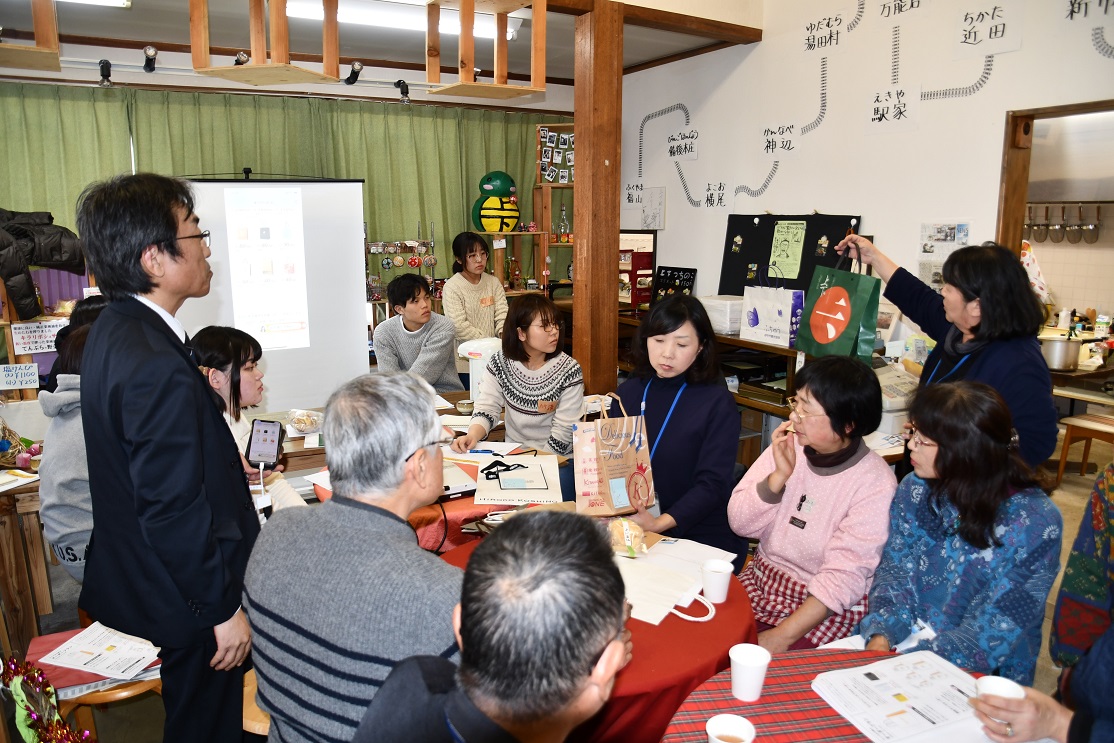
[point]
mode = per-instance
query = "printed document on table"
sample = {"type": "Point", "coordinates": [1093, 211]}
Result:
{"type": "Point", "coordinates": [914, 698]}
{"type": "Point", "coordinates": [102, 650]}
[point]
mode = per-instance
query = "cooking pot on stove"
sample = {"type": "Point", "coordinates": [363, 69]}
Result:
{"type": "Point", "coordinates": [1061, 354]}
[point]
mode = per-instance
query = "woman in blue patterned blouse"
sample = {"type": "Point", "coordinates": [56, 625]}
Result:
{"type": "Point", "coordinates": [974, 542]}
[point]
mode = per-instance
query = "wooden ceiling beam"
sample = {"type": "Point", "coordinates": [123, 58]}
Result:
{"type": "Point", "coordinates": [679, 23]}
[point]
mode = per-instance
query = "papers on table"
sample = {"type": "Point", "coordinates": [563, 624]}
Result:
{"type": "Point", "coordinates": [884, 444]}
{"type": "Point", "coordinates": [441, 403]}
{"type": "Point", "coordinates": [666, 576]}
{"type": "Point", "coordinates": [512, 492]}
{"type": "Point", "coordinates": [102, 650]}
{"type": "Point", "coordinates": [14, 478]}
{"type": "Point", "coordinates": [320, 478]}
{"type": "Point", "coordinates": [914, 698]}
{"type": "Point", "coordinates": [923, 631]}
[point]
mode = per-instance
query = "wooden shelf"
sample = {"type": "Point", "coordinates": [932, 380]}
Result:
{"type": "Point", "coordinates": [486, 90]}
{"type": "Point", "coordinates": [486, 6]}
{"type": "Point", "coordinates": [23, 57]}
{"type": "Point", "coordinates": [267, 74]}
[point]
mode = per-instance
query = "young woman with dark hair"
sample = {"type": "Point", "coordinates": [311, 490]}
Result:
{"type": "Point", "coordinates": [472, 298]}
{"type": "Point", "coordinates": [974, 542]}
{"type": "Point", "coordinates": [532, 383]}
{"type": "Point", "coordinates": [818, 501]}
{"type": "Point", "coordinates": [229, 360]}
{"type": "Point", "coordinates": [985, 323]}
{"type": "Point", "coordinates": [692, 424]}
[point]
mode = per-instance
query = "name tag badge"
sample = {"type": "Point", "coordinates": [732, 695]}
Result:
{"type": "Point", "coordinates": [797, 522]}
{"type": "Point", "coordinates": [487, 301]}
{"type": "Point", "coordinates": [547, 406]}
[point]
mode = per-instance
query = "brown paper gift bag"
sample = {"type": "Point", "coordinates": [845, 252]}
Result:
{"type": "Point", "coordinates": [611, 464]}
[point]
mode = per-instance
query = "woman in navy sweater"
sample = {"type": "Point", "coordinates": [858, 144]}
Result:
{"type": "Point", "coordinates": [692, 422]}
{"type": "Point", "coordinates": [985, 323]}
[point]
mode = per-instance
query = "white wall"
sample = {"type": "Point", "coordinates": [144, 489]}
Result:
{"type": "Point", "coordinates": [946, 167]}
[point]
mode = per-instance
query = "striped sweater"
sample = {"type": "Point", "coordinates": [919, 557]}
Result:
{"type": "Point", "coordinates": [337, 594]}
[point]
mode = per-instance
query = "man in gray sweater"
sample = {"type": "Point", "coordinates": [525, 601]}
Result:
{"type": "Point", "coordinates": [417, 339]}
{"type": "Point", "coordinates": [339, 593]}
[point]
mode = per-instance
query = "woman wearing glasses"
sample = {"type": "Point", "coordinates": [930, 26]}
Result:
{"type": "Point", "coordinates": [692, 424]}
{"type": "Point", "coordinates": [974, 542]}
{"type": "Point", "coordinates": [532, 383]}
{"type": "Point", "coordinates": [818, 500]}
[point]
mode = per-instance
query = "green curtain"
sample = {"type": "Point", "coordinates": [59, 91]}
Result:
{"type": "Point", "coordinates": [56, 141]}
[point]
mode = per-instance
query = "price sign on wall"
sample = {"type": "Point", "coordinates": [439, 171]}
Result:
{"type": "Point", "coordinates": [19, 376]}
{"type": "Point", "coordinates": [36, 337]}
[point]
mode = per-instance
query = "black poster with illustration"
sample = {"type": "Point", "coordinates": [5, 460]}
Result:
{"type": "Point", "coordinates": [669, 280]}
{"type": "Point", "coordinates": [786, 247]}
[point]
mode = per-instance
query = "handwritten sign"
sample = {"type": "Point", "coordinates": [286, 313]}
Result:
{"type": "Point", "coordinates": [894, 109]}
{"type": "Point", "coordinates": [822, 33]}
{"type": "Point", "coordinates": [894, 8]}
{"type": "Point", "coordinates": [682, 145]}
{"type": "Point", "coordinates": [632, 195]}
{"type": "Point", "coordinates": [778, 141]}
{"type": "Point", "coordinates": [19, 376]}
{"type": "Point", "coordinates": [36, 337]}
{"type": "Point", "coordinates": [715, 195]}
{"type": "Point", "coordinates": [1082, 8]}
{"type": "Point", "coordinates": [987, 28]}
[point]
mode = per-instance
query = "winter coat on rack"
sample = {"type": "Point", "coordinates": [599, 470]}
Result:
{"type": "Point", "coordinates": [32, 239]}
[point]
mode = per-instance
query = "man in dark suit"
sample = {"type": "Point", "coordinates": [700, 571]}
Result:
{"type": "Point", "coordinates": [173, 520]}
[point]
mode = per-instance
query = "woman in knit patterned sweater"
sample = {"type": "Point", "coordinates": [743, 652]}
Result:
{"type": "Point", "coordinates": [472, 299]}
{"type": "Point", "coordinates": [540, 387]}
{"type": "Point", "coordinates": [818, 499]}
{"type": "Point", "coordinates": [974, 542]}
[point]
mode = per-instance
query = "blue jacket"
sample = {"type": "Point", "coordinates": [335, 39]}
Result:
{"type": "Point", "coordinates": [1091, 681]}
{"type": "Point", "coordinates": [1014, 367]}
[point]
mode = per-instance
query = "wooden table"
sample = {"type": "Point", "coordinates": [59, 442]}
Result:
{"type": "Point", "coordinates": [788, 710]}
{"type": "Point", "coordinates": [668, 661]}
{"type": "Point", "coordinates": [24, 580]}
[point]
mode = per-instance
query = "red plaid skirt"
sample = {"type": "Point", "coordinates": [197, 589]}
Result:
{"type": "Point", "coordinates": [774, 595]}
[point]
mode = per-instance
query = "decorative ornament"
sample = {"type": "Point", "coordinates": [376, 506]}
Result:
{"type": "Point", "coordinates": [423, 248]}
{"type": "Point", "coordinates": [497, 208]}
{"type": "Point", "coordinates": [386, 264]}
{"type": "Point", "coordinates": [431, 261]}
{"type": "Point", "coordinates": [414, 261]}
{"type": "Point", "coordinates": [545, 272]}
{"type": "Point", "coordinates": [549, 259]}
{"type": "Point", "coordinates": [392, 247]}
{"type": "Point", "coordinates": [399, 261]}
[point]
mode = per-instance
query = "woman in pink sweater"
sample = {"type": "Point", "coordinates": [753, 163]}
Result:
{"type": "Point", "coordinates": [818, 501]}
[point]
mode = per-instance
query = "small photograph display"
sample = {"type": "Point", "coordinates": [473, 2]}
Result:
{"type": "Point", "coordinates": [563, 177]}
{"type": "Point", "coordinates": [547, 155]}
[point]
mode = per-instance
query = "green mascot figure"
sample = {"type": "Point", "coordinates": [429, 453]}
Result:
{"type": "Point", "coordinates": [497, 208]}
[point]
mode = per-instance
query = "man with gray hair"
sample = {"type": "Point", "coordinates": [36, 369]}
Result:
{"type": "Point", "coordinates": [339, 593]}
{"type": "Point", "coordinates": [540, 629]}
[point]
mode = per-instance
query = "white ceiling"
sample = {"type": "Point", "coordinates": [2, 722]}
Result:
{"type": "Point", "coordinates": [167, 21]}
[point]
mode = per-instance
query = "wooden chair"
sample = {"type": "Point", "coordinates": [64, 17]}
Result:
{"type": "Point", "coordinates": [82, 706]}
{"type": "Point", "coordinates": [1084, 427]}
{"type": "Point", "coordinates": [255, 720]}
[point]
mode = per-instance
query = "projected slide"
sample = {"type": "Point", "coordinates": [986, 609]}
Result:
{"type": "Point", "coordinates": [267, 265]}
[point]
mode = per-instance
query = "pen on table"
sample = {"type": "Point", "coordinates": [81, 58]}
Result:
{"type": "Point", "coordinates": [481, 451]}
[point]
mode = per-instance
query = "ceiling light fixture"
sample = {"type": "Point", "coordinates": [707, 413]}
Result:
{"type": "Point", "coordinates": [105, 3]}
{"type": "Point", "coordinates": [405, 90]}
{"type": "Point", "coordinates": [399, 16]}
{"type": "Point", "coordinates": [242, 58]}
{"type": "Point", "coordinates": [149, 54]}
{"type": "Point", "coordinates": [106, 74]}
{"type": "Point", "coordinates": [354, 75]}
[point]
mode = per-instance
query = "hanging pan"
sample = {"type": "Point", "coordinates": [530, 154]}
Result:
{"type": "Point", "coordinates": [1027, 228]}
{"type": "Point", "coordinates": [1075, 231]}
{"type": "Point", "coordinates": [1056, 231]}
{"type": "Point", "coordinates": [1040, 229]}
{"type": "Point", "coordinates": [1091, 231]}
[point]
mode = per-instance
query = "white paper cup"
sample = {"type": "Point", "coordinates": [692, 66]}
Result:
{"type": "Point", "coordinates": [999, 687]}
{"type": "Point", "coordinates": [716, 575]}
{"type": "Point", "coordinates": [748, 671]}
{"type": "Point", "coordinates": [729, 729]}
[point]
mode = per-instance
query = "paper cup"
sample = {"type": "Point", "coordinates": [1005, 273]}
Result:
{"type": "Point", "coordinates": [999, 687]}
{"type": "Point", "coordinates": [748, 671]}
{"type": "Point", "coordinates": [716, 575]}
{"type": "Point", "coordinates": [729, 729]}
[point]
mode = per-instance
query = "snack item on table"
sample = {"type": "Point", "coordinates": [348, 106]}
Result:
{"type": "Point", "coordinates": [627, 537]}
{"type": "Point", "coordinates": [306, 421]}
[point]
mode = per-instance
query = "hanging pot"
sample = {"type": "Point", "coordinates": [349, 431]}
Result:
{"type": "Point", "coordinates": [1027, 228]}
{"type": "Point", "coordinates": [1091, 231]}
{"type": "Point", "coordinates": [1056, 231]}
{"type": "Point", "coordinates": [1075, 231]}
{"type": "Point", "coordinates": [1040, 229]}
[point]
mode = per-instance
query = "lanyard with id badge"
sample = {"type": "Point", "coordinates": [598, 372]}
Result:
{"type": "Point", "coordinates": [264, 449]}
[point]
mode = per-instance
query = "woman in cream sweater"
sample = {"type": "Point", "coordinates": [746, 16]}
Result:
{"type": "Point", "coordinates": [473, 299]}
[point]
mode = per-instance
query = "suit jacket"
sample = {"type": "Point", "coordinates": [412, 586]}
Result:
{"type": "Point", "coordinates": [173, 520]}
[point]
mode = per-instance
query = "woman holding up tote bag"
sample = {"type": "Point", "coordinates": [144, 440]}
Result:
{"type": "Point", "coordinates": [692, 424]}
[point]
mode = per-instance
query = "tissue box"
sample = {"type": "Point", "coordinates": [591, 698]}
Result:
{"type": "Point", "coordinates": [726, 313]}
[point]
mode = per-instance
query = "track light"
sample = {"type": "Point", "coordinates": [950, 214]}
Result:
{"type": "Point", "coordinates": [405, 90]}
{"type": "Point", "coordinates": [242, 58]}
{"type": "Point", "coordinates": [354, 75]}
{"type": "Point", "coordinates": [106, 73]}
{"type": "Point", "coordinates": [149, 54]}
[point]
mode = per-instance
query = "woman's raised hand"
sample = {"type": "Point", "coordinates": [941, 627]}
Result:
{"type": "Point", "coordinates": [785, 457]}
{"type": "Point", "coordinates": [866, 252]}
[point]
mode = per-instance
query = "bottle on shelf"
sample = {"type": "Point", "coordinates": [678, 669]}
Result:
{"type": "Point", "coordinates": [563, 226]}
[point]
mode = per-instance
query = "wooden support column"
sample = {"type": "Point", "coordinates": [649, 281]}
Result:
{"type": "Point", "coordinates": [1014, 189]}
{"type": "Point", "coordinates": [433, 43]}
{"type": "Point", "coordinates": [330, 54]}
{"type": "Point", "coordinates": [537, 44]}
{"type": "Point", "coordinates": [199, 33]}
{"type": "Point", "coordinates": [500, 48]}
{"type": "Point", "coordinates": [598, 112]}
{"type": "Point", "coordinates": [280, 32]}
{"type": "Point", "coordinates": [258, 31]}
{"type": "Point", "coordinates": [44, 22]}
{"type": "Point", "coordinates": [467, 41]}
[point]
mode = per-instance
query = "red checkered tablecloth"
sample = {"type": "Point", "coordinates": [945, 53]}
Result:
{"type": "Point", "coordinates": [789, 711]}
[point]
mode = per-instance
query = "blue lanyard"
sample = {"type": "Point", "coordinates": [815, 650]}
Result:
{"type": "Point", "coordinates": [668, 415]}
{"type": "Point", "coordinates": [954, 369]}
